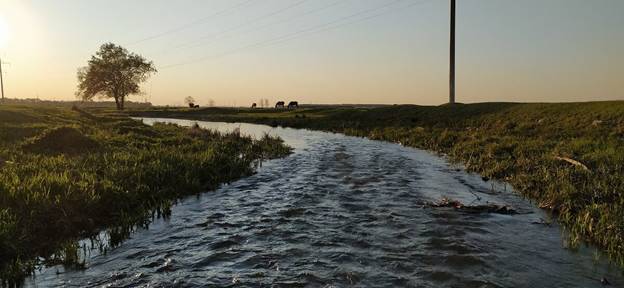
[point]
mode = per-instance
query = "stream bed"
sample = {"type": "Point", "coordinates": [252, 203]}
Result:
{"type": "Point", "coordinates": [343, 212]}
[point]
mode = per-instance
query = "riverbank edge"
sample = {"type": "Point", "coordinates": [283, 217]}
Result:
{"type": "Point", "coordinates": [549, 166]}
{"type": "Point", "coordinates": [78, 198]}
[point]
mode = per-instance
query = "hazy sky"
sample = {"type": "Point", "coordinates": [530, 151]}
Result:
{"type": "Point", "coordinates": [324, 51]}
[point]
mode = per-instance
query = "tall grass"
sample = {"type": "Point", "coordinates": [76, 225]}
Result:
{"type": "Point", "coordinates": [65, 176]}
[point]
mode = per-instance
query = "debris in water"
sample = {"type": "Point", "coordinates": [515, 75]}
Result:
{"type": "Point", "coordinates": [292, 212]}
{"type": "Point", "coordinates": [236, 279]}
{"type": "Point", "coordinates": [542, 222]}
{"type": "Point", "coordinates": [487, 208]}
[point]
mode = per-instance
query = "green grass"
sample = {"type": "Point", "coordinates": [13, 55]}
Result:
{"type": "Point", "coordinates": [66, 175]}
{"type": "Point", "coordinates": [518, 143]}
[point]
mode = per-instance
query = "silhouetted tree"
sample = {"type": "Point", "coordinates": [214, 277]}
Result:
{"type": "Point", "coordinates": [113, 72]}
{"type": "Point", "coordinates": [189, 100]}
{"type": "Point", "coordinates": [211, 103]}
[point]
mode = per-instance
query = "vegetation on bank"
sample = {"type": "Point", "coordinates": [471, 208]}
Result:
{"type": "Point", "coordinates": [67, 174]}
{"type": "Point", "coordinates": [567, 157]}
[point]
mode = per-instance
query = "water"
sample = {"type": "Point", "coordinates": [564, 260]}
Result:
{"type": "Point", "coordinates": [343, 211]}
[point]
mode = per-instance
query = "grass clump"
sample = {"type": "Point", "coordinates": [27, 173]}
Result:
{"type": "Point", "coordinates": [65, 176]}
{"type": "Point", "coordinates": [61, 140]}
{"type": "Point", "coordinates": [567, 157]}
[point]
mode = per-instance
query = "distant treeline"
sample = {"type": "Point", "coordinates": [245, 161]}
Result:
{"type": "Point", "coordinates": [61, 103]}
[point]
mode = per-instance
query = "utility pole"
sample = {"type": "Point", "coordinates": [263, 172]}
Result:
{"type": "Point", "coordinates": [452, 56]}
{"type": "Point", "coordinates": [1, 80]}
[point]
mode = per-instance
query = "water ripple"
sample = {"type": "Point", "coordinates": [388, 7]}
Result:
{"type": "Point", "coordinates": [342, 211]}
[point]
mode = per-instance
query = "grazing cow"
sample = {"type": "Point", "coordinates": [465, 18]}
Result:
{"type": "Point", "coordinates": [253, 105]}
{"type": "Point", "coordinates": [191, 105]}
{"type": "Point", "coordinates": [293, 105]}
{"type": "Point", "coordinates": [196, 106]}
{"type": "Point", "coordinates": [279, 104]}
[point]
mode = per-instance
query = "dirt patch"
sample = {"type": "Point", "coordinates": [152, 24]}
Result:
{"type": "Point", "coordinates": [62, 140]}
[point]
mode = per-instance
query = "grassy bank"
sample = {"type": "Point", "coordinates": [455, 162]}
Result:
{"type": "Point", "coordinates": [65, 175]}
{"type": "Point", "coordinates": [568, 158]}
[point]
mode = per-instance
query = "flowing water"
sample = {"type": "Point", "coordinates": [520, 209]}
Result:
{"type": "Point", "coordinates": [340, 212]}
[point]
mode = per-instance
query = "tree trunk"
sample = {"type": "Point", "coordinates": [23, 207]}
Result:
{"type": "Point", "coordinates": [123, 99]}
{"type": "Point", "coordinates": [117, 103]}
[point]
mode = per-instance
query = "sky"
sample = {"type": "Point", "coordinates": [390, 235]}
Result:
{"type": "Point", "coordinates": [236, 52]}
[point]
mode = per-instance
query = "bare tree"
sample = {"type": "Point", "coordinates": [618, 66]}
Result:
{"type": "Point", "coordinates": [113, 72]}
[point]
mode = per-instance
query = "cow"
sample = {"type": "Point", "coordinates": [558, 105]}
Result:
{"type": "Point", "coordinates": [191, 105]}
{"type": "Point", "coordinates": [293, 105]}
{"type": "Point", "coordinates": [279, 104]}
{"type": "Point", "coordinates": [253, 105]}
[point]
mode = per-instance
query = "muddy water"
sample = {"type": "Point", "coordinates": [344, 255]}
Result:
{"type": "Point", "coordinates": [343, 211]}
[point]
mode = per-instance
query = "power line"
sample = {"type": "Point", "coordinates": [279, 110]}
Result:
{"type": "Point", "coordinates": [293, 5]}
{"type": "Point", "coordinates": [301, 33]}
{"type": "Point", "coordinates": [282, 37]}
{"type": "Point", "coordinates": [193, 23]}
{"type": "Point", "coordinates": [269, 24]}
{"type": "Point", "coordinates": [344, 24]}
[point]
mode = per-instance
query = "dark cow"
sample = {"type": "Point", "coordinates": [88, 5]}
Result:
{"type": "Point", "coordinates": [279, 104]}
{"type": "Point", "coordinates": [253, 105]}
{"type": "Point", "coordinates": [193, 105]}
{"type": "Point", "coordinates": [293, 105]}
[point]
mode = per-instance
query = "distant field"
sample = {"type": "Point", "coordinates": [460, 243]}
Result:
{"type": "Point", "coordinates": [567, 157]}
{"type": "Point", "coordinates": [65, 175]}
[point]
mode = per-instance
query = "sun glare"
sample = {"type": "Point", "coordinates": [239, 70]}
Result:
{"type": "Point", "coordinates": [4, 32]}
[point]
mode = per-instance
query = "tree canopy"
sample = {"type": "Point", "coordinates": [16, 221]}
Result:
{"type": "Point", "coordinates": [189, 100]}
{"type": "Point", "coordinates": [113, 72]}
